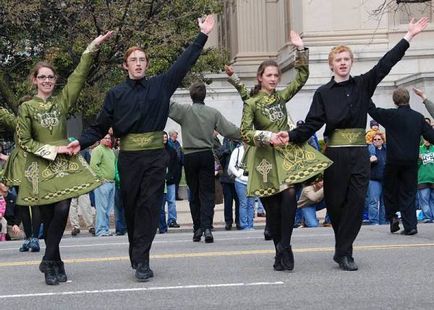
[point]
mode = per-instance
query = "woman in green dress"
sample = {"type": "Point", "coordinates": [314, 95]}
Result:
{"type": "Point", "coordinates": [51, 176]}
{"type": "Point", "coordinates": [276, 169]}
{"type": "Point", "coordinates": [30, 216]}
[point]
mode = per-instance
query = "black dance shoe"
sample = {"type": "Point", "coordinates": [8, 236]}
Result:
{"type": "Point", "coordinates": [208, 236]}
{"type": "Point", "coordinates": [394, 225]}
{"type": "Point", "coordinates": [197, 235]}
{"type": "Point", "coordinates": [143, 272]}
{"type": "Point", "coordinates": [346, 263]}
{"type": "Point", "coordinates": [410, 232]}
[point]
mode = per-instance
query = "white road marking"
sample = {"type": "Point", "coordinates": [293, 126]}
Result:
{"type": "Point", "coordinates": [141, 289]}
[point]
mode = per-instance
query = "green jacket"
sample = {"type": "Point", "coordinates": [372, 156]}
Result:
{"type": "Point", "coordinates": [198, 123]}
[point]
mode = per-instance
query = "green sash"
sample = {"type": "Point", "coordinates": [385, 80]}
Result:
{"type": "Point", "coordinates": [142, 141]}
{"type": "Point", "coordinates": [347, 137]}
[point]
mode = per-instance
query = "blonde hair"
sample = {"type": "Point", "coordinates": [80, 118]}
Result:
{"type": "Point", "coordinates": [339, 49]}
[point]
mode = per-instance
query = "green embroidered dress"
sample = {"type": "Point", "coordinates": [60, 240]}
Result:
{"type": "Point", "coordinates": [13, 171]}
{"type": "Point", "coordinates": [274, 169]}
{"type": "Point", "coordinates": [41, 126]}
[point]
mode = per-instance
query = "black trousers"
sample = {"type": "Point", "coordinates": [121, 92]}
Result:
{"type": "Point", "coordinates": [229, 197]}
{"type": "Point", "coordinates": [142, 175]}
{"type": "Point", "coordinates": [280, 211]}
{"type": "Point", "coordinates": [199, 172]}
{"type": "Point", "coordinates": [400, 187]}
{"type": "Point", "coordinates": [345, 187]}
{"type": "Point", "coordinates": [54, 217]}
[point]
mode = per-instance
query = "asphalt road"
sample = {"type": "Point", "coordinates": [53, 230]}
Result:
{"type": "Point", "coordinates": [235, 272]}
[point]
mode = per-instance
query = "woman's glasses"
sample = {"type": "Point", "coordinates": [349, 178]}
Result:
{"type": "Point", "coordinates": [44, 77]}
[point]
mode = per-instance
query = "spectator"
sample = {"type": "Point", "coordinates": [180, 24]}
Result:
{"type": "Point", "coordinates": [3, 221]}
{"type": "Point", "coordinates": [177, 169]}
{"type": "Point", "coordinates": [103, 163]}
{"type": "Point", "coordinates": [83, 204]}
{"type": "Point", "coordinates": [228, 184]}
{"type": "Point", "coordinates": [426, 181]}
{"type": "Point", "coordinates": [170, 194]}
{"type": "Point", "coordinates": [374, 129]}
{"type": "Point", "coordinates": [375, 201]}
{"type": "Point", "coordinates": [311, 200]}
{"type": "Point", "coordinates": [247, 203]}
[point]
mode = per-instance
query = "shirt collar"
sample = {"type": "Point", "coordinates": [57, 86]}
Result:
{"type": "Point", "coordinates": [133, 83]}
{"type": "Point", "coordinates": [333, 83]}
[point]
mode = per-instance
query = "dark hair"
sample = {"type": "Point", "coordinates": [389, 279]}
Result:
{"type": "Point", "coordinates": [266, 63]}
{"type": "Point", "coordinates": [401, 96]}
{"type": "Point", "coordinates": [198, 92]}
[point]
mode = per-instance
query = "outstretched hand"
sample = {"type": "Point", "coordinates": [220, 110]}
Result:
{"type": "Point", "coordinates": [206, 24]}
{"type": "Point", "coordinates": [102, 38]}
{"type": "Point", "coordinates": [420, 93]}
{"type": "Point", "coordinates": [74, 147]}
{"type": "Point", "coordinates": [296, 40]}
{"type": "Point", "coordinates": [414, 28]}
{"type": "Point", "coordinates": [229, 70]}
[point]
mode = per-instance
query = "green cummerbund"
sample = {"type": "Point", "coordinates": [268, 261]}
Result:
{"type": "Point", "coordinates": [347, 137]}
{"type": "Point", "coordinates": [142, 141]}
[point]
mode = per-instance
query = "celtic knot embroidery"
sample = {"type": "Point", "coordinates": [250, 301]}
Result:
{"type": "Point", "coordinates": [48, 119]}
{"type": "Point", "coordinates": [142, 141]}
{"type": "Point", "coordinates": [264, 169]}
{"type": "Point", "coordinates": [59, 168]}
{"type": "Point", "coordinates": [295, 157]}
{"type": "Point", "coordinates": [274, 112]}
{"type": "Point", "coordinates": [351, 136]}
{"type": "Point", "coordinates": [32, 174]}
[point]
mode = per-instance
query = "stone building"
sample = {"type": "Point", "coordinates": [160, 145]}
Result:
{"type": "Point", "coordinates": [255, 30]}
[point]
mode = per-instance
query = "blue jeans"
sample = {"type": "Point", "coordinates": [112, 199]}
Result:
{"type": "Point", "coordinates": [259, 207]}
{"type": "Point", "coordinates": [376, 211]}
{"type": "Point", "coordinates": [171, 203]}
{"type": "Point", "coordinates": [426, 202]}
{"type": "Point", "coordinates": [104, 203]}
{"type": "Point", "coordinates": [247, 206]}
{"type": "Point", "coordinates": [163, 226]}
{"type": "Point", "coordinates": [120, 224]}
{"type": "Point", "coordinates": [309, 214]}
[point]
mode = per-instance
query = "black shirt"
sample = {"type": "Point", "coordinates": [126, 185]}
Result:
{"type": "Point", "coordinates": [404, 127]}
{"type": "Point", "coordinates": [345, 105]}
{"type": "Point", "coordinates": [139, 106]}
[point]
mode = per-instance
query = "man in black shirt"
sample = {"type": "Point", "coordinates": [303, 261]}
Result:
{"type": "Point", "coordinates": [137, 109]}
{"type": "Point", "coordinates": [404, 128]}
{"type": "Point", "coordinates": [342, 105]}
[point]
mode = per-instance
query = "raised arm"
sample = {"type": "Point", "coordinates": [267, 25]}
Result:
{"type": "Point", "coordinates": [301, 66]}
{"type": "Point", "coordinates": [173, 77]}
{"type": "Point", "coordinates": [77, 79]}
{"type": "Point", "coordinates": [429, 105]}
{"type": "Point", "coordinates": [374, 76]}
{"type": "Point", "coordinates": [235, 81]}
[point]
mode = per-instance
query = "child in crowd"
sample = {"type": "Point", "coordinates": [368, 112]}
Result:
{"type": "Point", "coordinates": [3, 222]}
{"type": "Point", "coordinates": [375, 128]}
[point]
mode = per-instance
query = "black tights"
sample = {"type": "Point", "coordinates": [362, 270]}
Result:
{"type": "Point", "coordinates": [54, 217]}
{"type": "Point", "coordinates": [281, 209]}
{"type": "Point", "coordinates": [31, 218]}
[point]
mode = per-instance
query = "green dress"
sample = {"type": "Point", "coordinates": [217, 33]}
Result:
{"type": "Point", "coordinates": [274, 169]}
{"type": "Point", "coordinates": [41, 126]}
{"type": "Point", "coordinates": [14, 167]}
